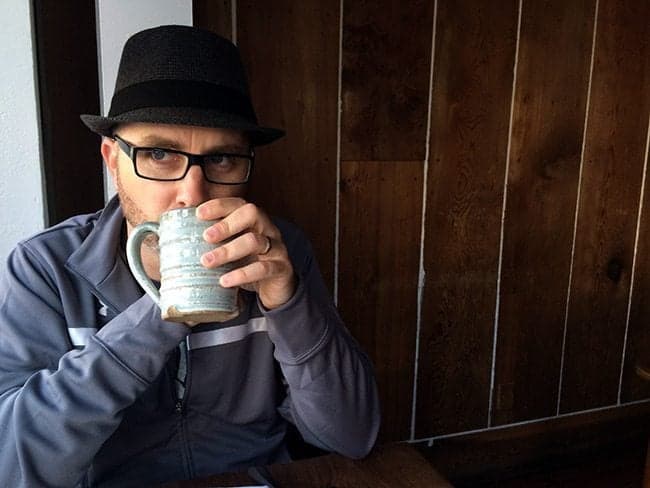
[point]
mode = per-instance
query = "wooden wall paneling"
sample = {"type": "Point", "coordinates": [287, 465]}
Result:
{"type": "Point", "coordinates": [381, 207]}
{"type": "Point", "coordinates": [487, 457]}
{"type": "Point", "coordinates": [386, 55]}
{"type": "Point", "coordinates": [66, 53]}
{"type": "Point", "coordinates": [636, 372]}
{"type": "Point", "coordinates": [291, 50]}
{"type": "Point", "coordinates": [615, 146]}
{"type": "Point", "coordinates": [472, 91]}
{"type": "Point", "coordinates": [385, 80]}
{"type": "Point", "coordinates": [547, 131]}
{"type": "Point", "coordinates": [213, 15]}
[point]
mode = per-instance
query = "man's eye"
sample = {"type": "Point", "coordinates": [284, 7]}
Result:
{"type": "Point", "coordinates": [221, 162]}
{"type": "Point", "coordinates": [158, 154]}
{"type": "Point", "coordinates": [216, 159]}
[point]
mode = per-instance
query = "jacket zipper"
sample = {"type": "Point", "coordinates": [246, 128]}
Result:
{"type": "Point", "coordinates": [181, 377]}
{"type": "Point", "coordinates": [182, 388]}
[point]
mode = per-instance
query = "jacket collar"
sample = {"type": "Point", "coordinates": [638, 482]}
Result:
{"type": "Point", "coordinates": [100, 261]}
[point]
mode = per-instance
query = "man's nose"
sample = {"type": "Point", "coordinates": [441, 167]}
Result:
{"type": "Point", "coordinates": [193, 189]}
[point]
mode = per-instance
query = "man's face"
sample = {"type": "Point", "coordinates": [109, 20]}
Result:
{"type": "Point", "coordinates": [145, 200]}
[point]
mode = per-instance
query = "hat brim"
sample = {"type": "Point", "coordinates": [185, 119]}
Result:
{"type": "Point", "coordinates": [258, 135]}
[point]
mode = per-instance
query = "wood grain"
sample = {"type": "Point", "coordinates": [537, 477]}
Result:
{"type": "Point", "coordinates": [385, 79]}
{"type": "Point", "coordinates": [614, 155]}
{"type": "Point", "coordinates": [646, 471]}
{"type": "Point", "coordinates": [392, 466]}
{"type": "Point", "coordinates": [547, 130]}
{"type": "Point", "coordinates": [66, 46]}
{"type": "Point", "coordinates": [388, 466]}
{"type": "Point", "coordinates": [491, 457]}
{"type": "Point", "coordinates": [475, 52]}
{"type": "Point", "coordinates": [381, 205]}
{"type": "Point", "coordinates": [291, 52]}
{"type": "Point", "coordinates": [636, 373]}
{"type": "Point", "coordinates": [213, 15]}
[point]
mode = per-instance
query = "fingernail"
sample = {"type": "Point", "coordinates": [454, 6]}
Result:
{"type": "Point", "coordinates": [200, 212]}
{"type": "Point", "coordinates": [210, 233]}
{"type": "Point", "coordinates": [224, 281]}
{"type": "Point", "coordinates": [207, 259]}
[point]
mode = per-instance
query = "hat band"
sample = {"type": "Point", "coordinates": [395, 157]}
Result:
{"type": "Point", "coordinates": [181, 93]}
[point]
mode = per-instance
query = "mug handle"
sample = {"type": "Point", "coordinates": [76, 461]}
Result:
{"type": "Point", "coordinates": [133, 245]}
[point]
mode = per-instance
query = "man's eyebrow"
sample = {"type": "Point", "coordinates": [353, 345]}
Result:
{"type": "Point", "coordinates": [154, 140]}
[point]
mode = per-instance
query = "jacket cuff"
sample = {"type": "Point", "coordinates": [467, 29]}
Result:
{"type": "Point", "coordinates": [140, 340]}
{"type": "Point", "coordinates": [299, 328]}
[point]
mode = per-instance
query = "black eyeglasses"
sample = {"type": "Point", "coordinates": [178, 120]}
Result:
{"type": "Point", "coordinates": [160, 164]}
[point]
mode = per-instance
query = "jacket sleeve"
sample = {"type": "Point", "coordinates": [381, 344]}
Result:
{"type": "Point", "coordinates": [332, 394]}
{"type": "Point", "coordinates": [57, 405]}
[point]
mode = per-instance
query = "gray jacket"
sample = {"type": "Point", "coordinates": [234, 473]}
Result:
{"type": "Point", "coordinates": [97, 390]}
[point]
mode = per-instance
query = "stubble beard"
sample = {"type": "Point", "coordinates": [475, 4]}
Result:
{"type": "Point", "coordinates": [133, 214]}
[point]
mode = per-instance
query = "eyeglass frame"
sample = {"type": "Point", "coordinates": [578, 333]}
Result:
{"type": "Point", "coordinates": [192, 160]}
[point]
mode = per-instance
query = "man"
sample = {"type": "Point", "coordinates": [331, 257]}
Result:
{"type": "Point", "coordinates": [95, 388]}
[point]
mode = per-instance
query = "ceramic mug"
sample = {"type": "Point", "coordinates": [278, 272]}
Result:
{"type": "Point", "coordinates": [189, 292]}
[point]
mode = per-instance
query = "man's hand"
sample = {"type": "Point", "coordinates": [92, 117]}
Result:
{"type": "Point", "coordinates": [258, 243]}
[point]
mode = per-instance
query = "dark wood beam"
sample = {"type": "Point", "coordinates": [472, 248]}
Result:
{"type": "Point", "coordinates": [66, 53]}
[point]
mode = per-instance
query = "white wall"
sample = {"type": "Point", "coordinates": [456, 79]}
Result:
{"type": "Point", "coordinates": [21, 195]}
{"type": "Point", "coordinates": [116, 21]}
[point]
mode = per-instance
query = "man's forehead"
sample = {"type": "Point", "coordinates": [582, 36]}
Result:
{"type": "Point", "coordinates": [177, 136]}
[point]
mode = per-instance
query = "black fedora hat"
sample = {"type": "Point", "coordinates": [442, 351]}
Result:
{"type": "Point", "coordinates": [182, 75]}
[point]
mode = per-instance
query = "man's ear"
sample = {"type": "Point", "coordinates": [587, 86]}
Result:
{"type": "Point", "coordinates": [109, 152]}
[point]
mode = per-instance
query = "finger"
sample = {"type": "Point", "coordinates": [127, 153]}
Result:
{"type": "Point", "coordinates": [246, 217]}
{"type": "Point", "coordinates": [218, 207]}
{"type": "Point", "coordinates": [253, 273]}
{"type": "Point", "coordinates": [245, 245]}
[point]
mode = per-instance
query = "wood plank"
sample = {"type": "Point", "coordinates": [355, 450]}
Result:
{"type": "Point", "coordinates": [66, 47]}
{"type": "Point", "coordinates": [381, 205]}
{"type": "Point", "coordinates": [395, 465]}
{"type": "Point", "coordinates": [392, 465]}
{"type": "Point", "coordinates": [385, 79]}
{"type": "Point", "coordinates": [501, 453]}
{"type": "Point", "coordinates": [213, 15]}
{"type": "Point", "coordinates": [646, 471]}
{"type": "Point", "coordinates": [291, 53]}
{"type": "Point", "coordinates": [636, 373]}
{"type": "Point", "coordinates": [475, 50]}
{"type": "Point", "coordinates": [615, 147]}
{"type": "Point", "coordinates": [547, 129]}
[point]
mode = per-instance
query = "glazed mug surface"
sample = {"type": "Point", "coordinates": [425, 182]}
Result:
{"type": "Point", "coordinates": [189, 292]}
